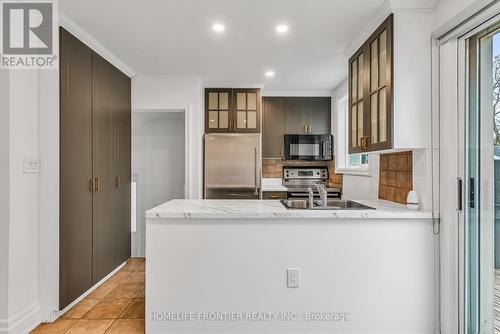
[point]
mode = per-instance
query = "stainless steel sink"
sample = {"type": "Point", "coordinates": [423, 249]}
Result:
{"type": "Point", "coordinates": [339, 204]}
{"type": "Point", "coordinates": [295, 203]}
{"type": "Point", "coordinates": [331, 204]}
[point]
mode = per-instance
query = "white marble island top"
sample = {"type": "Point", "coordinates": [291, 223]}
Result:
{"type": "Point", "coordinates": [256, 209]}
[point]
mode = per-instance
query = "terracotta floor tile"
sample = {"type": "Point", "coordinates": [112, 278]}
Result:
{"type": "Point", "coordinates": [137, 259]}
{"type": "Point", "coordinates": [108, 309]}
{"type": "Point", "coordinates": [127, 326]}
{"type": "Point", "coordinates": [135, 277]}
{"type": "Point", "coordinates": [142, 267]}
{"type": "Point", "coordinates": [130, 267]}
{"type": "Point", "coordinates": [84, 326]}
{"type": "Point", "coordinates": [79, 310]}
{"type": "Point", "coordinates": [126, 290]}
{"type": "Point", "coordinates": [103, 290]}
{"type": "Point", "coordinates": [133, 264]}
{"type": "Point", "coordinates": [119, 277]}
{"type": "Point", "coordinates": [135, 310]}
{"type": "Point", "coordinates": [57, 327]}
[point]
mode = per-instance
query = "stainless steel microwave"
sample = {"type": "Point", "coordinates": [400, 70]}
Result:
{"type": "Point", "coordinates": [309, 147]}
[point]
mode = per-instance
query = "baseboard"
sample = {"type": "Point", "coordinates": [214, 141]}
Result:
{"type": "Point", "coordinates": [23, 322]}
{"type": "Point", "coordinates": [57, 314]}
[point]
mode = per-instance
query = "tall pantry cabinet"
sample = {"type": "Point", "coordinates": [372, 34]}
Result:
{"type": "Point", "coordinates": [95, 168]}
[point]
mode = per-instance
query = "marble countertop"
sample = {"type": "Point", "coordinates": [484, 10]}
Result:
{"type": "Point", "coordinates": [245, 209]}
{"type": "Point", "coordinates": [273, 184]}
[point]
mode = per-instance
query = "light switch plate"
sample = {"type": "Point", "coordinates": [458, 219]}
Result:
{"type": "Point", "coordinates": [293, 277]}
{"type": "Point", "coordinates": [31, 165]}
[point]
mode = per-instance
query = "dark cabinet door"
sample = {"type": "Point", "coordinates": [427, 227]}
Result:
{"type": "Point", "coordinates": [121, 215]}
{"type": "Point", "coordinates": [218, 110]}
{"type": "Point", "coordinates": [75, 219]}
{"type": "Point", "coordinates": [370, 92]}
{"type": "Point", "coordinates": [319, 112]}
{"type": "Point", "coordinates": [295, 118]}
{"type": "Point", "coordinates": [103, 152]}
{"type": "Point", "coordinates": [246, 110]}
{"type": "Point", "coordinates": [273, 127]}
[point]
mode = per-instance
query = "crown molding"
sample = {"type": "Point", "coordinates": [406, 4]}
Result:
{"type": "Point", "coordinates": [280, 93]}
{"type": "Point", "coordinates": [389, 6]}
{"type": "Point", "coordinates": [232, 84]}
{"type": "Point", "coordinates": [67, 23]}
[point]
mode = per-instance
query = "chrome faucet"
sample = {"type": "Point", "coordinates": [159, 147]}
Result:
{"type": "Point", "coordinates": [323, 193]}
{"type": "Point", "coordinates": [311, 198]}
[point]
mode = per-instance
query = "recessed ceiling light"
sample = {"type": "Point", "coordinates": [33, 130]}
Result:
{"type": "Point", "coordinates": [282, 28]}
{"type": "Point", "coordinates": [270, 74]}
{"type": "Point", "coordinates": [218, 27]}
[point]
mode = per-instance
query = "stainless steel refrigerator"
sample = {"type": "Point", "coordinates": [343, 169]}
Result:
{"type": "Point", "coordinates": [232, 166]}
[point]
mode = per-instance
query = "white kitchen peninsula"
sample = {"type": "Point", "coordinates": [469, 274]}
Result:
{"type": "Point", "coordinates": [220, 266]}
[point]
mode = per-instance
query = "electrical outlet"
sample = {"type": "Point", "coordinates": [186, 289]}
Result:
{"type": "Point", "coordinates": [31, 165]}
{"type": "Point", "coordinates": [293, 277]}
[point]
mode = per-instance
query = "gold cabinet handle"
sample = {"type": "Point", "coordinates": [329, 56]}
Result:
{"type": "Point", "coordinates": [365, 142]}
{"type": "Point", "coordinates": [91, 185]}
{"type": "Point", "coordinates": [274, 196]}
{"type": "Point", "coordinates": [118, 181]}
{"type": "Point", "coordinates": [97, 184]}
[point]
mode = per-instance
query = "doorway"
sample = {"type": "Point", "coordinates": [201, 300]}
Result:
{"type": "Point", "coordinates": [158, 166]}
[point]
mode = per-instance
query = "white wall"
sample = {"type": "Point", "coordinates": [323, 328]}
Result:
{"type": "Point", "coordinates": [158, 159]}
{"type": "Point", "coordinates": [164, 92]}
{"type": "Point", "coordinates": [23, 270]}
{"type": "Point", "coordinates": [4, 193]}
{"type": "Point", "coordinates": [49, 192]}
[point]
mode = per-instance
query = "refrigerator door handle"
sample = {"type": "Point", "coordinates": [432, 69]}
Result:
{"type": "Point", "coordinates": [256, 191]}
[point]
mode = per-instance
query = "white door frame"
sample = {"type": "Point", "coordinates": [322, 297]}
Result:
{"type": "Point", "coordinates": [449, 94]}
{"type": "Point", "coordinates": [141, 223]}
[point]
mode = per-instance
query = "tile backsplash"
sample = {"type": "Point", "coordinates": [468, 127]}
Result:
{"type": "Point", "coordinates": [274, 168]}
{"type": "Point", "coordinates": [396, 176]}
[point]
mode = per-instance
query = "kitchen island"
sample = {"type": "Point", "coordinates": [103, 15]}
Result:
{"type": "Point", "coordinates": [220, 266]}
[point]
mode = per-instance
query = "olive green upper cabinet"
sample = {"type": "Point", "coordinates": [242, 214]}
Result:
{"type": "Point", "coordinates": [370, 92]}
{"type": "Point", "coordinates": [273, 127]}
{"type": "Point", "coordinates": [307, 115]}
{"type": "Point", "coordinates": [232, 110]}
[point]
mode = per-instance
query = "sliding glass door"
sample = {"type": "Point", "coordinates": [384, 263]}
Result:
{"type": "Point", "coordinates": [481, 184]}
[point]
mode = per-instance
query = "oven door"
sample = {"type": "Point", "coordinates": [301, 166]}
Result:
{"type": "Point", "coordinates": [308, 147]}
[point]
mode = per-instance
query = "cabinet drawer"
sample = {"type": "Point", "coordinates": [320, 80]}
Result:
{"type": "Point", "coordinates": [274, 195]}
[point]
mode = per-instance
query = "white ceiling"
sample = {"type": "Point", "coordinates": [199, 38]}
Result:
{"type": "Point", "coordinates": [174, 37]}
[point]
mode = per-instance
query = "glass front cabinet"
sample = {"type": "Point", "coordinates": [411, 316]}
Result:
{"type": "Point", "coordinates": [370, 92]}
{"type": "Point", "coordinates": [232, 110]}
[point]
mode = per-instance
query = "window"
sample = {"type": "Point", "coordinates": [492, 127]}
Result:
{"type": "Point", "coordinates": [347, 163]}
